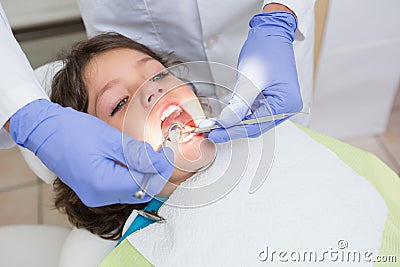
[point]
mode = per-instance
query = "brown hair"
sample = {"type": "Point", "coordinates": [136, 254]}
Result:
{"type": "Point", "coordinates": [69, 90]}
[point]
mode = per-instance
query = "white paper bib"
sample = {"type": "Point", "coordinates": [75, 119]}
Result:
{"type": "Point", "coordinates": [311, 201]}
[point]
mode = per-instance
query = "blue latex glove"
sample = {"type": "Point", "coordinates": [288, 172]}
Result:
{"type": "Point", "coordinates": [82, 151]}
{"type": "Point", "coordinates": [269, 83]}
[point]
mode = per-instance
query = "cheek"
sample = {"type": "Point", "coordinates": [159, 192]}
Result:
{"type": "Point", "coordinates": [188, 93]}
{"type": "Point", "coordinates": [152, 133]}
{"type": "Point", "coordinates": [133, 122]}
{"type": "Point", "coordinates": [142, 126]}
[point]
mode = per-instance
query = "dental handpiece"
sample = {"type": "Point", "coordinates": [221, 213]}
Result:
{"type": "Point", "coordinates": [245, 122]}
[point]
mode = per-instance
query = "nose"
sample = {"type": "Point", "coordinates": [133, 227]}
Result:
{"type": "Point", "coordinates": [150, 93]}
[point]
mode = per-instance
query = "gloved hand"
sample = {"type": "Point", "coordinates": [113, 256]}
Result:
{"type": "Point", "coordinates": [83, 150]}
{"type": "Point", "coordinates": [267, 60]}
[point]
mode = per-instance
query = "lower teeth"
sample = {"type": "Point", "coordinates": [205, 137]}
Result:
{"type": "Point", "coordinates": [186, 136]}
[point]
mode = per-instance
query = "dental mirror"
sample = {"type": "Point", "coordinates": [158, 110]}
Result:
{"type": "Point", "coordinates": [175, 133]}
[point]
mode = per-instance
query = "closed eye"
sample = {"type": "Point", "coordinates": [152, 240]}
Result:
{"type": "Point", "coordinates": [119, 106]}
{"type": "Point", "coordinates": [159, 76]}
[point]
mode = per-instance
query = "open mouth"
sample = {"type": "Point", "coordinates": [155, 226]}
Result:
{"type": "Point", "coordinates": [176, 115]}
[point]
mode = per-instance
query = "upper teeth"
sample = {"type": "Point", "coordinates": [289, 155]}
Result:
{"type": "Point", "coordinates": [171, 109]}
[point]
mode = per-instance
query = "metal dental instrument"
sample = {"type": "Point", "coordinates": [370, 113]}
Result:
{"type": "Point", "coordinates": [152, 215]}
{"type": "Point", "coordinates": [141, 192]}
{"type": "Point", "coordinates": [174, 134]}
{"type": "Point", "coordinates": [245, 122]}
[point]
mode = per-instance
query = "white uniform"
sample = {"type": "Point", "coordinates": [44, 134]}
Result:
{"type": "Point", "coordinates": [193, 29]}
{"type": "Point", "coordinates": [18, 85]}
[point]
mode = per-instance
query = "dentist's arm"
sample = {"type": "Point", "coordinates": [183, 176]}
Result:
{"type": "Point", "coordinates": [7, 126]}
{"type": "Point", "coordinates": [81, 149]}
{"type": "Point", "coordinates": [277, 7]}
{"type": "Point", "coordinates": [268, 82]}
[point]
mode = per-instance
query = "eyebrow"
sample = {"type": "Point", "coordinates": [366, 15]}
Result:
{"type": "Point", "coordinates": [102, 91]}
{"type": "Point", "coordinates": [145, 59]}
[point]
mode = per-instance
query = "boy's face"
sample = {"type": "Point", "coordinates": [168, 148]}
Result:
{"type": "Point", "coordinates": [123, 77]}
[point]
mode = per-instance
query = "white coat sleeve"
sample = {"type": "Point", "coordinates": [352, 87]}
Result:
{"type": "Point", "coordinates": [302, 9]}
{"type": "Point", "coordinates": [18, 84]}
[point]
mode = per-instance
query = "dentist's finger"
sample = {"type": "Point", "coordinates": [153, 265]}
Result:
{"type": "Point", "coordinates": [241, 131]}
{"type": "Point", "coordinates": [141, 157]}
{"type": "Point", "coordinates": [233, 113]}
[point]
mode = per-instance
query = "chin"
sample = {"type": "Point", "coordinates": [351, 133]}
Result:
{"type": "Point", "coordinates": [194, 154]}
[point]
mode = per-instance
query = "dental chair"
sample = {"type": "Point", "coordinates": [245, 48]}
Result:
{"type": "Point", "coordinates": [49, 246]}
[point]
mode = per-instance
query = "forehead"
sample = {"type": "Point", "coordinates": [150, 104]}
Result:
{"type": "Point", "coordinates": [111, 59]}
{"type": "Point", "coordinates": [111, 64]}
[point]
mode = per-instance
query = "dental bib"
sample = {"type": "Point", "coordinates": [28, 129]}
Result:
{"type": "Point", "coordinates": [310, 201]}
